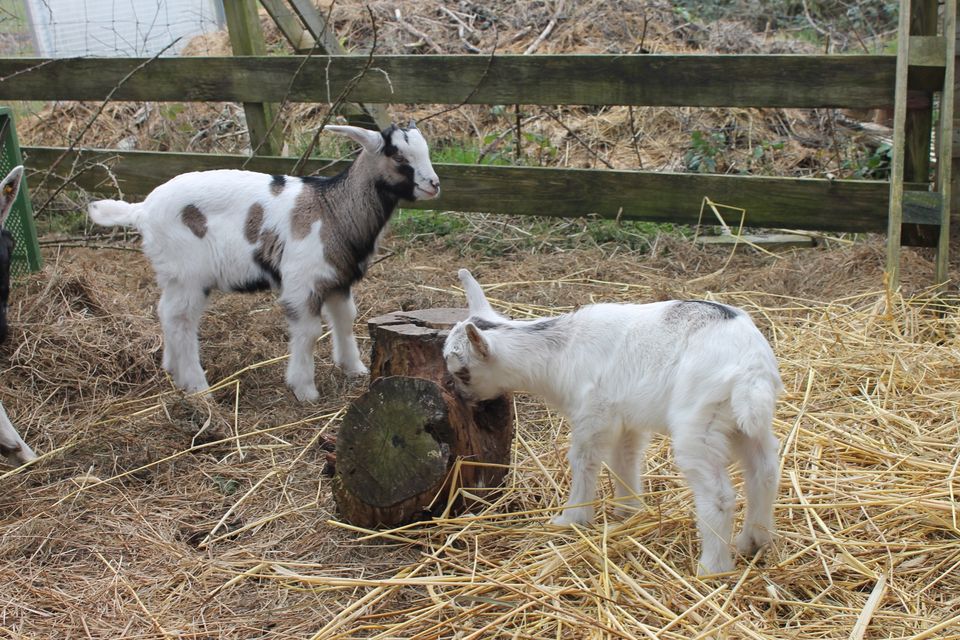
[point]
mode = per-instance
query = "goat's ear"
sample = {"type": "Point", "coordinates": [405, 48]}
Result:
{"type": "Point", "coordinates": [372, 141]}
{"type": "Point", "coordinates": [479, 343]}
{"type": "Point", "coordinates": [9, 189]}
{"type": "Point", "coordinates": [476, 300]}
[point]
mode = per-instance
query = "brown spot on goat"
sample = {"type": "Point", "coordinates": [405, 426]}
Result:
{"type": "Point", "coordinates": [311, 205]}
{"type": "Point", "coordinates": [269, 253]}
{"type": "Point", "coordinates": [315, 301]}
{"type": "Point", "coordinates": [194, 219]}
{"type": "Point", "coordinates": [251, 228]}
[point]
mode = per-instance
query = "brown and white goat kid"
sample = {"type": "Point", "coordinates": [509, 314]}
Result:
{"type": "Point", "coordinates": [312, 238]}
{"type": "Point", "coordinates": [698, 371]}
{"type": "Point", "coordinates": [12, 445]}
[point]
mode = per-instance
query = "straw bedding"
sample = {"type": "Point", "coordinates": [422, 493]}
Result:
{"type": "Point", "coordinates": [154, 515]}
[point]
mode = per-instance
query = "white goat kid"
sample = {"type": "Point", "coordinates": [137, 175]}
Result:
{"type": "Point", "coordinates": [12, 445]}
{"type": "Point", "coordinates": [696, 370]}
{"type": "Point", "coordinates": [312, 238]}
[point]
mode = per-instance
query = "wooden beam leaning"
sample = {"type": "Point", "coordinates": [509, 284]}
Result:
{"type": "Point", "coordinates": [304, 39]}
{"type": "Point", "coordinates": [243, 26]}
{"type": "Point", "coordinates": [895, 215]}
{"type": "Point", "coordinates": [796, 203]}
{"type": "Point", "coordinates": [799, 81]}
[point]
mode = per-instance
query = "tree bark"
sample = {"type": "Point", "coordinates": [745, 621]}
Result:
{"type": "Point", "coordinates": [400, 443]}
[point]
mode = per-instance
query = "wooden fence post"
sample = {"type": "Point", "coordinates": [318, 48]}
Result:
{"type": "Point", "coordinates": [246, 39]}
{"type": "Point", "coordinates": [947, 168]}
{"type": "Point", "coordinates": [895, 211]}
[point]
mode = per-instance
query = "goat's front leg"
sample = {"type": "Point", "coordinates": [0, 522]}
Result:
{"type": "Point", "coordinates": [340, 311]}
{"type": "Point", "coordinates": [629, 466]}
{"type": "Point", "coordinates": [591, 444]}
{"type": "Point", "coordinates": [12, 445]}
{"type": "Point", "coordinates": [305, 328]}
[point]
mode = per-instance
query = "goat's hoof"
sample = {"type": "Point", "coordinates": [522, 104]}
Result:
{"type": "Point", "coordinates": [720, 565]}
{"type": "Point", "coordinates": [749, 541]}
{"type": "Point", "coordinates": [307, 394]}
{"type": "Point", "coordinates": [358, 370]}
{"type": "Point", "coordinates": [568, 520]}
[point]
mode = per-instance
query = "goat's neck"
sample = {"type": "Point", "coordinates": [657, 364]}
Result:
{"type": "Point", "coordinates": [532, 361]}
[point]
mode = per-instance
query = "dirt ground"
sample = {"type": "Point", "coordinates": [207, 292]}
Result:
{"type": "Point", "coordinates": [132, 525]}
{"type": "Point", "coordinates": [155, 515]}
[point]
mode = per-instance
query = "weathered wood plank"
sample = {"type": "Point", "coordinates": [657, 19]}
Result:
{"type": "Point", "coordinates": [814, 204]}
{"type": "Point", "coordinates": [652, 80]}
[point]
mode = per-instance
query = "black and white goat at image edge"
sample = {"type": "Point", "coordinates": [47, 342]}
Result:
{"type": "Point", "coordinates": [311, 238]}
{"type": "Point", "coordinates": [12, 446]}
{"type": "Point", "coordinates": [698, 371]}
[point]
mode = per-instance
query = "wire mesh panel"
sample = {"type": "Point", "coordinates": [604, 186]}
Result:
{"type": "Point", "coordinates": [26, 251]}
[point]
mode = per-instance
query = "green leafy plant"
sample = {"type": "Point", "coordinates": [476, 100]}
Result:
{"type": "Point", "coordinates": [875, 166]}
{"type": "Point", "coordinates": [704, 151]}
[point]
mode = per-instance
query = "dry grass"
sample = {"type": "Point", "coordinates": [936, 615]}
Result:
{"type": "Point", "coordinates": [154, 515]}
{"type": "Point", "coordinates": [132, 525]}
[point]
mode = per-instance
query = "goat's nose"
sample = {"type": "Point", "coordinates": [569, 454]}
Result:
{"type": "Point", "coordinates": [435, 183]}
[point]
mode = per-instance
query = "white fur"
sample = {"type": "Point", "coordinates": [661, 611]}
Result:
{"type": "Point", "coordinates": [188, 267]}
{"type": "Point", "coordinates": [620, 372]}
{"type": "Point", "coordinates": [12, 445]}
{"type": "Point", "coordinates": [15, 449]}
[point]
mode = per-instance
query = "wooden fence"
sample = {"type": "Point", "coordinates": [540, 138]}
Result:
{"type": "Point", "coordinates": [800, 81]}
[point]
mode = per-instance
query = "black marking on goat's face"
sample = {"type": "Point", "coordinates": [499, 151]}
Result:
{"type": "Point", "coordinates": [251, 227]}
{"type": "Point", "coordinates": [408, 174]}
{"type": "Point", "coordinates": [7, 244]}
{"type": "Point", "coordinates": [462, 375]}
{"type": "Point", "coordinates": [194, 219]}
{"type": "Point", "coordinates": [277, 183]}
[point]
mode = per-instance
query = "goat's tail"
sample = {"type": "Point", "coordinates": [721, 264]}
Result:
{"type": "Point", "coordinates": [113, 212]}
{"type": "Point", "coordinates": [753, 402]}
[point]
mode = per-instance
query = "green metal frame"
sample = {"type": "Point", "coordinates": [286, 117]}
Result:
{"type": "Point", "coordinates": [26, 252]}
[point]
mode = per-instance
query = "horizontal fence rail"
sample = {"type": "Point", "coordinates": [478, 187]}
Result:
{"type": "Point", "coordinates": [801, 81]}
{"type": "Point", "coordinates": [797, 203]}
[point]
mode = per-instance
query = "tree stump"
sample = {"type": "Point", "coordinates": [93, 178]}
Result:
{"type": "Point", "coordinates": [399, 442]}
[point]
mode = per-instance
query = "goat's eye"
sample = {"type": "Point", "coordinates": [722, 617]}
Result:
{"type": "Point", "coordinates": [399, 159]}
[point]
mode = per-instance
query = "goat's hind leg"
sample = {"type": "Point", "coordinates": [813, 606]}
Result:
{"type": "Point", "coordinates": [180, 309]}
{"type": "Point", "coordinates": [761, 476]}
{"type": "Point", "coordinates": [629, 466]}
{"type": "Point", "coordinates": [701, 451]}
